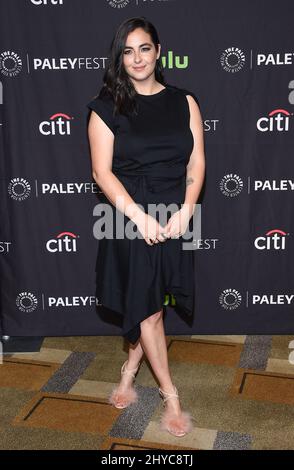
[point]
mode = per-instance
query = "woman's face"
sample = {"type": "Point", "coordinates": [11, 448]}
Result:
{"type": "Point", "coordinates": [139, 55]}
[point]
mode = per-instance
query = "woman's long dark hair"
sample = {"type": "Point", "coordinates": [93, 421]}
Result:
{"type": "Point", "coordinates": [116, 81]}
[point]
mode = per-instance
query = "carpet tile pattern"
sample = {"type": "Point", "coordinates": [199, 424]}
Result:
{"type": "Point", "coordinates": [239, 390]}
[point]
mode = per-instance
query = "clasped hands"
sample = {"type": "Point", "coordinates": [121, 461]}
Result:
{"type": "Point", "coordinates": [154, 233]}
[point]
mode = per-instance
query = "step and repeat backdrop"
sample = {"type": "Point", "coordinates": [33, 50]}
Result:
{"type": "Point", "coordinates": [237, 58]}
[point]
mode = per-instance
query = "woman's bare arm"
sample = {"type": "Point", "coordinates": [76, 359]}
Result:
{"type": "Point", "coordinates": [196, 164]}
{"type": "Point", "coordinates": [101, 140]}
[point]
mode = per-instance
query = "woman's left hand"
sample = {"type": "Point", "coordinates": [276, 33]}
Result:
{"type": "Point", "coordinates": [178, 223]}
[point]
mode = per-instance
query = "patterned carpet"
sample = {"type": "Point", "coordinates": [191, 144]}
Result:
{"type": "Point", "coordinates": [240, 390]}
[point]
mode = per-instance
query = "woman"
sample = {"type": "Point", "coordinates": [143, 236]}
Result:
{"type": "Point", "coordinates": [146, 142]}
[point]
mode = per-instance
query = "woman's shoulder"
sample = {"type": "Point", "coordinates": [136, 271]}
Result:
{"type": "Point", "coordinates": [103, 105]}
{"type": "Point", "coordinates": [103, 96]}
{"type": "Point", "coordinates": [183, 91]}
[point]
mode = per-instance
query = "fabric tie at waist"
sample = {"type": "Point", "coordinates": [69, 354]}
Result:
{"type": "Point", "coordinates": [155, 183]}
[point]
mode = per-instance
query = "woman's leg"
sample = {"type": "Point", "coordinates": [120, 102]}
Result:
{"type": "Point", "coordinates": [135, 355]}
{"type": "Point", "coordinates": [153, 342]}
{"type": "Point", "coordinates": [126, 382]}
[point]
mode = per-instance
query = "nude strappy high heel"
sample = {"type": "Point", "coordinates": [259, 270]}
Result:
{"type": "Point", "coordinates": [170, 421]}
{"type": "Point", "coordinates": [122, 400]}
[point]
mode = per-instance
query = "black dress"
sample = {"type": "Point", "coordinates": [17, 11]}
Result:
{"type": "Point", "coordinates": [151, 152]}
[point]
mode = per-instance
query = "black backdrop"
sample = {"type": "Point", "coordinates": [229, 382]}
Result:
{"type": "Point", "coordinates": [237, 58]}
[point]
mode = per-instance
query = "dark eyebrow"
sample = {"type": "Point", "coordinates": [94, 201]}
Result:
{"type": "Point", "coordinates": [145, 44]}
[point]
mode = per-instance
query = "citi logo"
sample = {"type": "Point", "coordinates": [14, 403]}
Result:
{"type": "Point", "coordinates": [59, 124]}
{"type": "Point", "coordinates": [277, 120]}
{"type": "Point", "coordinates": [47, 2]}
{"type": "Point", "coordinates": [273, 240]}
{"type": "Point", "coordinates": [64, 242]}
{"type": "Point", "coordinates": [174, 62]}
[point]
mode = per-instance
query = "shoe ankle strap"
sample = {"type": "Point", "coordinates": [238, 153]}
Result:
{"type": "Point", "coordinates": [167, 395]}
{"type": "Point", "coordinates": [124, 369]}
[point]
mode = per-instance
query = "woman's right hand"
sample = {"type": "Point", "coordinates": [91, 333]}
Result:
{"type": "Point", "coordinates": [150, 229]}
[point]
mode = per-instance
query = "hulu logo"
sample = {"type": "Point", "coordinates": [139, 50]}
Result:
{"type": "Point", "coordinates": [169, 299]}
{"type": "Point", "coordinates": [174, 62]}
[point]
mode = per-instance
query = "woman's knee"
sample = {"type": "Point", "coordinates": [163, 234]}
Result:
{"type": "Point", "coordinates": [154, 318]}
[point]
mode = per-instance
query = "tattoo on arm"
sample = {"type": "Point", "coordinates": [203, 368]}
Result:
{"type": "Point", "coordinates": [189, 180]}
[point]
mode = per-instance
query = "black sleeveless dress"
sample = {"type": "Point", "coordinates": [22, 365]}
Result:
{"type": "Point", "coordinates": [150, 155]}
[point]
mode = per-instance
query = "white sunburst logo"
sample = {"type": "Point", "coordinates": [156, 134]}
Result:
{"type": "Point", "coordinates": [118, 3]}
{"type": "Point", "coordinates": [232, 59]}
{"type": "Point", "coordinates": [19, 189]}
{"type": "Point", "coordinates": [231, 185]}
{"type": "Point", "coordinates": [230, 299]}
{"type": "Point", "coordinates": [26, 302]}
{"type": "Point", "coordinates": [10, 63]}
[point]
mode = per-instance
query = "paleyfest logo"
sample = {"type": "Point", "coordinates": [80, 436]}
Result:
{"type": "Point", "coordinates": [232, 59]}
{"type": "Point", "coordinates": [230, 299]}
{"type": "Point", "coordinates": [231, 185]}
{"type": "Point", "coordinates": [10, 64]}
{"type": "Point", "coordinates": [118, 3]}
{"type": "Point", "coordinates": [19, 189]}
{"type": "Point", "coordinates": [26, 302]}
